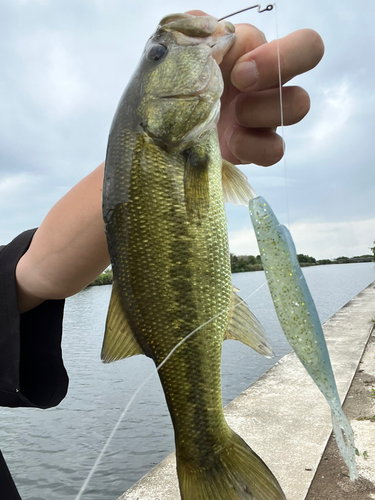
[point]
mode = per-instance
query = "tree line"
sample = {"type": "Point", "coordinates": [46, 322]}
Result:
{"type": "Point", "coordinates": [245, 263]}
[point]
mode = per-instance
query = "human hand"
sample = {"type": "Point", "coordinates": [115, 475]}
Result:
{"type": "Point", "coordinates": [68, 250]}
{"type": "Point", "coordinates": [250, 105]}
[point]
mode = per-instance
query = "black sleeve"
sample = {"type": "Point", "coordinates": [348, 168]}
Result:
{"type": "Point", "coordinates": [31, 367]}
{"type": "Point", "coordinates": [8, 490]}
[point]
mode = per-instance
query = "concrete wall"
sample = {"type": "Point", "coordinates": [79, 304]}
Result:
{"type": "Point", "coordinates": [283, 416]}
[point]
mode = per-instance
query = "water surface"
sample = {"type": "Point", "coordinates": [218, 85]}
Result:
{"type": "Point", "coordinates": [50, 452]}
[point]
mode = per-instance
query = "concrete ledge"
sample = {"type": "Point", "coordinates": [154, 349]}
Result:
{"type": "Point", "coordinates": [283, 416]}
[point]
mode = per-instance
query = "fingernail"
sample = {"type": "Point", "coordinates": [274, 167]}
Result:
{"type": "Point", "coordinates": [245, 75]}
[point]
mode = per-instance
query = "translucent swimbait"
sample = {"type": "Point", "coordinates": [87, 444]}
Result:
{"type": "Point", "coordinates": [298, 317]}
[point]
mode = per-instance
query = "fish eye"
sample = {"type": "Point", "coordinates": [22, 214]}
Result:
{"type": "Point", "coordinates": [157, 52]}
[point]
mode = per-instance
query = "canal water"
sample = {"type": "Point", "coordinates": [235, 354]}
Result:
{"type": "Point", "coordinates": [50, 452]}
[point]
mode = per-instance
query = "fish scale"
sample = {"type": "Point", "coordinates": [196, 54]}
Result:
{"type": "Point", "coordinates": [194, 245]}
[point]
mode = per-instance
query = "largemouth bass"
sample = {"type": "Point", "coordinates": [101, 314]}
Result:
{"type": "Point", "coordinates": [163, 207]}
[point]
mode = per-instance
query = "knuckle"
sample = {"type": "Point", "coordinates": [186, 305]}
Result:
{"type": "Point", "coordinates": [250, 35]}
{"type": "Point", "coordinates": [244, 109]}
{"type": "Point", "coordinates": [239, 146]}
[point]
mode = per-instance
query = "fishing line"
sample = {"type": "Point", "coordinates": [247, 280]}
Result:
{"type": "Point", "coordinates": [282, 114]}
{"type": "Point", "coordinates": [136, 392]}
{"type": "Point", "coordinates": [260, 10]}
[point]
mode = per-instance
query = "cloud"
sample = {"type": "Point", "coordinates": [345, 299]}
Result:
{"type": "Point", "coordinates": [65, 65]}
{"type": "Point", "coordinates": [25, 199]}
{"type": "Point", "coordinates": [337, 106]}
{"type": "Point", "coordinates": [9, 186]}
{"type": "Point", "coordinates": [333, 239]}
{"type": "Point", "coordinates": [25, 2]}
{"type": "Point", "coordinates": [243, 242]}
{"type": "Point", "coordinates": [325, 240]}
{"type": "Point", "coordinates": [52, 76]}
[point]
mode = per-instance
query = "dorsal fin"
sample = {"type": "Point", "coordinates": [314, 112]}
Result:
{"type": "Point", "coordinates": [246, 328]}
{"type": "Point", "coordinates": [119, 340]}
{"type": "Point", "coordinates": [236, 189]}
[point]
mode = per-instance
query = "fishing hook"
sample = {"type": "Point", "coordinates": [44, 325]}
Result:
{"type": "Point", "coordinates": [260, 10]}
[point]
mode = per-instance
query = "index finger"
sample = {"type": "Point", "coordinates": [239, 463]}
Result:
{"type": "Point", "coordinates": [258, 69]}
{"type": "Point", "coordinates": [248, 38]}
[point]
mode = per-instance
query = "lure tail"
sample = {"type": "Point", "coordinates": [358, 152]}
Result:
{"type": "Point", "coordinates": [235, 472]}
{"type": "Point", "coordinates": [298, 316]}
{"type": "Point", "coordinates": [345, 441]}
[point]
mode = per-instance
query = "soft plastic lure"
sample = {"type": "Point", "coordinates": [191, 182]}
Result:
{"type": "Point", "coordinates": [298, 316]}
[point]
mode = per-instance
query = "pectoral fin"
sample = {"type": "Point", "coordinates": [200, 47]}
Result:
{"type": "Point", "coordinates": [245, 327]}
{"type": "Point", "coordinates": [197, 197]}
{"type": "Point", "coordinates": [236, 189]}
{"type": "Point", "coordinates": [119, 340]}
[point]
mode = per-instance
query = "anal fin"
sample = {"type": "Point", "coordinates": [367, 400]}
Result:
{"type": "Point", "coordinates": [119, 340]}
{"type": "Point", "coordinates": [246, 328]}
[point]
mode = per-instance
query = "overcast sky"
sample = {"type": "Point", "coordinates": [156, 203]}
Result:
{"type": "Point", "coordinates": [65, 63]}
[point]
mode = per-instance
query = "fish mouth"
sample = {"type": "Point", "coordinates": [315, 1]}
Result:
{"type": "Point", "coordinates": [193, 30]}
{"type": "Point", "coordinates": [208, 40]}
{"type": "Point", "coordinates": [219, 36]}
{"type": "Point", "coordinates": [195, 26]}
{"type": "Point", "coordinates": [189, 30]}
{"type": "Point", "coordinates": [223, 39]}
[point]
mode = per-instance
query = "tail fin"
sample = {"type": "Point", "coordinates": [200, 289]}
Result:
{"type": "Point", "coordinates": [236, 473]}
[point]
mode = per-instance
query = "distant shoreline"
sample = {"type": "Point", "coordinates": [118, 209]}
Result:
{"type": "Point", "coordinates": [106, 278]}
{"type": "Point", "coordinates": [244, 263]}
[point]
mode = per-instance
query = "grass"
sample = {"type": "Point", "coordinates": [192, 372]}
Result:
{"type": "Point", "coordinates": [105, 278]}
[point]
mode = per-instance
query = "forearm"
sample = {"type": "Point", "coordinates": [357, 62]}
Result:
{"type": "Point", "coordinates": [69, 248]}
